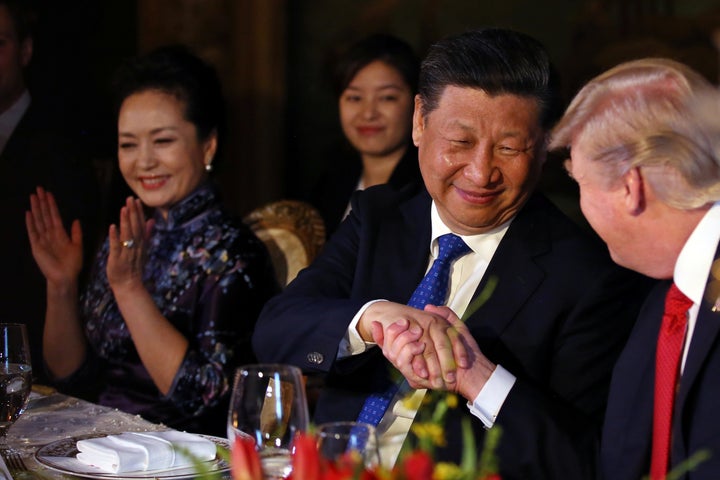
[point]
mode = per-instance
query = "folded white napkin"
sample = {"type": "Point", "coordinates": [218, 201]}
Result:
{"type": "Point", "coordinates": [128, 452]}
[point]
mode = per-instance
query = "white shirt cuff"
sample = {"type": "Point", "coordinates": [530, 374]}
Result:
{"type": "Point", "coordinates": [488, 402]}
{"type": "Point", "coordinates": [352, 343]}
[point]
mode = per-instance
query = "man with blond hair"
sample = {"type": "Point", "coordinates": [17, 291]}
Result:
{"type": "Point", "coordinates": [644, 142]}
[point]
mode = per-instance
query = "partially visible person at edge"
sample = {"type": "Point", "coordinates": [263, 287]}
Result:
{"type": "Point", "coordinates": [37, 147]}
{"type": "Point", "coordinates": [375, 82]}
{"type": "Point", "coordinates": [169, 309]}
{"type": "Point", "coordinates": [535, 357]}
{"type": "Point", "coordinates": [644, 140]}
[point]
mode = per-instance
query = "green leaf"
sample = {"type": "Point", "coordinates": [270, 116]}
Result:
{"type": "Point", "coordinates": [468, 462]}
{"type": "Point", "coordinates": [483, 297]}
{"type": "Point", "coordinates": [488, 459]}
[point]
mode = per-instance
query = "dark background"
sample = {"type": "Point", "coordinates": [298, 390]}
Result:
{"type": "Point", "coordinates": [273, 57]}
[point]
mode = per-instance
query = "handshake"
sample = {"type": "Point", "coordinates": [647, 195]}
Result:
{"type": "Point", "coordinates": [432, 348]}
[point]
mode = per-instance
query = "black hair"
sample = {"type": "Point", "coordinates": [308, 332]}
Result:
{"type": "Point", "coordinates": [384, 47]}
{"type": "Point", "coordinates": [23, 17]}
{"type": "Point", "coordinates": [497, 61]}
{"type": "Point", "coordinates": [177, 71]}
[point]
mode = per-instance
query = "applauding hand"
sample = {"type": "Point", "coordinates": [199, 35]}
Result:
{"type": "Point", "coordinates": [58, 255]}
{"type": "Point", "coordinates": [127, 246]}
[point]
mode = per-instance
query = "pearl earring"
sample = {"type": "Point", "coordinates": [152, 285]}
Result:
{"type": "Point", "coordinates": [208, 167]}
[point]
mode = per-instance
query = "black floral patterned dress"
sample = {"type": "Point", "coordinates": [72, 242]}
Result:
{"type": "Point", "coordinates": [209, 276]}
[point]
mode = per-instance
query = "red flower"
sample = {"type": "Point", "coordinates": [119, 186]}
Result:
{"type": "Point", "coordinates": [245, 460]}
{"type": "Point", "coordinates": [305, 458]}
{"type": "Point", "coordinates": [309, 465]}
{"type": "Point", "coordinates": [418, 466]}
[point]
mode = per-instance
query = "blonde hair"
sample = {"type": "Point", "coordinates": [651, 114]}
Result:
{"type": "Point", "coordinates": [653, 113]}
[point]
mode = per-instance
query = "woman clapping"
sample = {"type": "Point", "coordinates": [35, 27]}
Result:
{"type": "Point", "coordinates": [172, 301]}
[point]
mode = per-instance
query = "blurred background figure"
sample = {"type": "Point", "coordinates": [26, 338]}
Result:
{"type": "Point", "coordinates": [171, 302]}
{"type": "Point", "coordinates": [36, 148]}
{"type": "Point", "coordinates": [376, 82]}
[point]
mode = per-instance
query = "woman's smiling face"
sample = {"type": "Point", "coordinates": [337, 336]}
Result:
{"type": "Point", "coordinates": [159, 152]}
{"type": "Point", "coordinates": [376, 110]}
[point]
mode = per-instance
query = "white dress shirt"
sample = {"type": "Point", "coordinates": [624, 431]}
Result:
{"type": "Point", "coordinates": [10, 118]}
{"type": "Point", "coordinates": [693, 267]}
{"type": "Point", "coordinates": [465, 276]}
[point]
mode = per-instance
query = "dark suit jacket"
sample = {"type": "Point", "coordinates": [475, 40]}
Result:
{"type": "Point", "coordinates": [332, 193]}
{"type": "Point", "coordinates": [557, 319]}
{"type": "Point", "coordinates": [39, 153]}
{"type": "Point", "coordinates": [627, 433]}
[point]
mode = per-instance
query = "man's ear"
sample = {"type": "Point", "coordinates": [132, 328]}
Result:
{"type": "Point", "coordinates": [418, 124]}
{"type": "Point", "coordinates": [635, 195]}
{"type": "Point", "coordinates": [26, 51]}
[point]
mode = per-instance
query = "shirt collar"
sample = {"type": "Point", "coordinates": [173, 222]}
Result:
{"type": "Point", "coordinates": [483, 244]}
{"type": "Point", "coordinates": [693, 264]}
{"type": "Point", "coordinates": [10, 118]}
{"type": "Point", "coordinates": [12, 115]}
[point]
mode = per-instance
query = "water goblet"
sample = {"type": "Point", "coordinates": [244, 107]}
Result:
{"type": "Point", "coordinates": [336, 440]}
{"type": "Point", "coordinates": [268, 402]}
{"type": "Point", "coordinates": [15, 374]}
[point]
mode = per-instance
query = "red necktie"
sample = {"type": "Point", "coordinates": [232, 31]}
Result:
{"type": "Point", "coordinates": [667, 363]}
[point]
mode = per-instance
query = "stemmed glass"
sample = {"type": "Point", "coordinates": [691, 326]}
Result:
{"type": "Point", "coordinates": [268, 403]}
{"type": "Point", "coordinates": [336, 440]}
{"type": "Point", "coordinates": [15, 374]}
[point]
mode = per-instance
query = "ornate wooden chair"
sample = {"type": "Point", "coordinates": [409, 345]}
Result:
{"type": "Point", "coordinates": [293, 231]}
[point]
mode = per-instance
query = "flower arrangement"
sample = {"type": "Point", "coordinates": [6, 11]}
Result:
{"type": "Point", "coordinates": [415, 463]}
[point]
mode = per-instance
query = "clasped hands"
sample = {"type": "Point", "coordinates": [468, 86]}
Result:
{"type": "Point", "coordinates": [432, 348]}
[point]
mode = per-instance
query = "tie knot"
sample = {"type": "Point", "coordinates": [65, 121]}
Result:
{"type": "Point", "coordinates": [451, 247]}
{"type": "Point", "coordinates": [676, 302]}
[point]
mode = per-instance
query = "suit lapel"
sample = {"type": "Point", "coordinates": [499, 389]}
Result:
{"type": "Point", "coordinates": [627, 432]}
{"type": "Point", "coordinates": [401, 263]}
{"type": "Point", "coordinates": [704, 336]}
{"type": "Point", "coordinates": [707, 328]}
{"type": "Point", "coordinates": [523, 241]}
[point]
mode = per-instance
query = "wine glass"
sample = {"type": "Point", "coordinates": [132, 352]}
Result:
{"type": "Point", "coordinates": [268, 403]}
{"type": "Point", "coordinates": [336, 440]}
{"type": "Point", "coordinates": [15, 374]}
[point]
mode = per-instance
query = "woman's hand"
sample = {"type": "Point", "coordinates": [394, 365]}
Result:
{"type": "Point", "coordinates": [58, 255]}
{"type": "Point", "coordinates": [126, 255]}
{"type": "Point", "coordinates": [144, 320]}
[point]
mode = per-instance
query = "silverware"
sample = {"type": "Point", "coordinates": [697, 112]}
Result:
{"type": "Point", "coordinates": [15, 463]}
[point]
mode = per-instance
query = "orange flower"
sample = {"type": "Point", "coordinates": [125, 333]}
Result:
{"type": "Point", "coordinates": [245, 460]}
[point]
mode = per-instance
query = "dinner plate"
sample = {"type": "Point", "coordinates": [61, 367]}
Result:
{"type": "Point", "coordinates": [60, 456]}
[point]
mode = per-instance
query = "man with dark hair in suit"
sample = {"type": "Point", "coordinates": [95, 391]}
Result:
{"type": "Point", "coordinates": [35, 150]}
{"type": "Point", "coordinates": [535, 356]}
{"type": "Point", "coordinates": [644, 141]}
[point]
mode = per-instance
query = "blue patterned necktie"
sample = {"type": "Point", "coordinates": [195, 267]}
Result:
{"type": "Point", "coordinates": [432, 291]}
